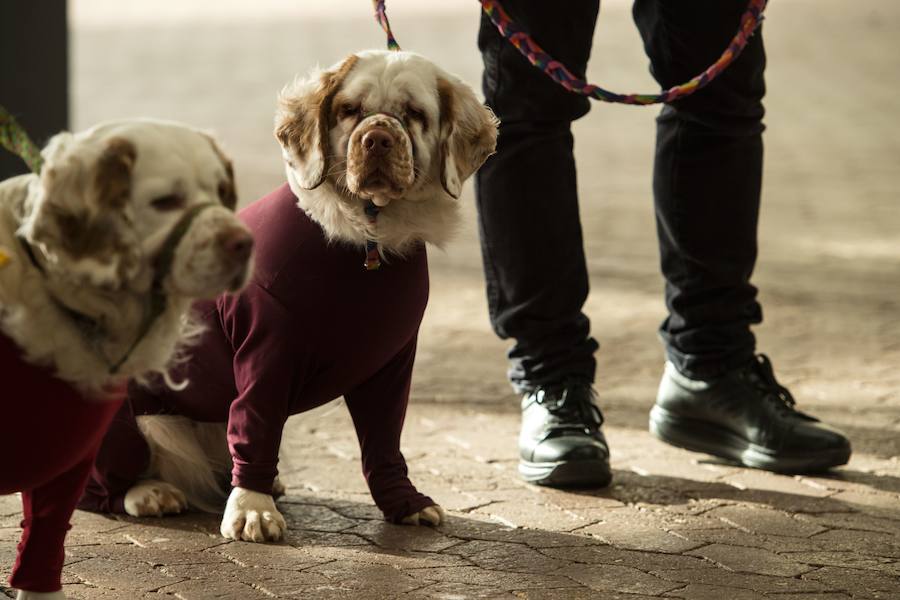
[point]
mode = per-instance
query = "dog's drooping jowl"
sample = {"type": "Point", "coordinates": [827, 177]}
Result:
{"type": "Point", "coordinates": [101, 257]}
{"type": "Point", "coordinates": [384, 129]}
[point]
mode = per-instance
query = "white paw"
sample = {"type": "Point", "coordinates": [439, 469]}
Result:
{"type": "Point", "coordinates": [152, 498]}
{"type": "Point", "coordinates": [430, 515]}
{"type": "Point", "coordinates": [23, 595]}
{"type": "Point", "coordinates": [252, 517]}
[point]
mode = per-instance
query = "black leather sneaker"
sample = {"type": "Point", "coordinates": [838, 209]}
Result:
{"type": "Point", "coordinates": [745, 416]}
{"type": "Point", "coordinates": [560, 444]}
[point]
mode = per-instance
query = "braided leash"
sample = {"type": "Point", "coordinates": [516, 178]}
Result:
{"type": "Point", "coordinates": [382, 19]}
{"type": "Point", "coordinates": [14, 139]}
{"type": "Point", "coordinates": [750, 21]}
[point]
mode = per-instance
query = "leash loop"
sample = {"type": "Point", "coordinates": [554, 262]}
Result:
{"type": "Point", "coordinates": [162, 265]}
{"type": "Point", "coordinates": [557, 71]}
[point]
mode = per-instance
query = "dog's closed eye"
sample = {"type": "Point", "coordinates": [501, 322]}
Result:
{"type": "Point", "coordinates": [416, 114]}
{"type": "Point", "coordinates": [349, 110]}
{"type": "Point", "coordinates": [168, 202]}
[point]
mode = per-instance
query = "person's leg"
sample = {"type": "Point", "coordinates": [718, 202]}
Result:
{"type": "Point", "coordinates": [716, 395]}
{"type": "Point", "coordinates": [527, 200]}
{"type": "Point", "coordinates": [532, 244]}
{"type": "Point", "coordinates": [706, 182]}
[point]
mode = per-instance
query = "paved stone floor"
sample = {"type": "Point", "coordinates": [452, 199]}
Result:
{"type": "Point", "coordinates": [673, 524]}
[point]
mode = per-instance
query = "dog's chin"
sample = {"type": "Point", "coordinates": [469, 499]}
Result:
{"type": "Point", "coordinates": [230, 282]}
{"type": "Point", "coordinates": [380, 188]}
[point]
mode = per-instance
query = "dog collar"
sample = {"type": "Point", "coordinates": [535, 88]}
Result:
{"type": "Point", "coordinates": [373, 257]}
{"type": "Point", "coordinates": [156, 302]}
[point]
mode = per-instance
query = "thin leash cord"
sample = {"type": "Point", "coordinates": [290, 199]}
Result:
{"type": "Point", "coordinates": [14, 138]}
{"type": "Point", "coordinates": [750, 21]}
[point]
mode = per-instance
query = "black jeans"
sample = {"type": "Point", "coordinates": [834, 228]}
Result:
{"type": "Point", "coordinates": [706, 186]}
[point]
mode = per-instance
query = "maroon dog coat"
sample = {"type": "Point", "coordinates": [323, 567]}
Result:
{"type": "Point", "coordinates": [51, 435]}
{"type": "Point", "coordinates": [313, 325]}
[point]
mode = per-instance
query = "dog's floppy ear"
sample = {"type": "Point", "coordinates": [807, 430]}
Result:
{"type": "Point", "coordinates": [302, 122]}
{"type": "Point", "coordinates": [226, 188]}
{"type": "Point", "coordinates": [468, 134]}
{"type": "Point", "coordinates": [81, 192]}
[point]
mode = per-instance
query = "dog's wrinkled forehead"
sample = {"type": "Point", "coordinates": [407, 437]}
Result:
{"type": "Point", "coordinates": [171, 158]}
{"type": "Point", "coordinates": [387, 82]}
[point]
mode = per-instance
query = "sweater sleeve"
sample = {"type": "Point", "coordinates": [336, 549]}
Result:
{"type": "Point", "coordinates": [378, 409]}
{"type": "Point", "coordinates": [265, 373]}
{"type": "Point", "coordinates": [47, 510]}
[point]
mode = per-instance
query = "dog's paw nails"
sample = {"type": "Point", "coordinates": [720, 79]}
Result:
{"type": "Point", "coordinates": [252, 517]}
{"type": "Point", "coordinates": [430, 515]}
{"type": "Point", "coordinates": [151, 498]}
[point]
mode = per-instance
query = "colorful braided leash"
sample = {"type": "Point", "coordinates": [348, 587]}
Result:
{"type": "Point", "coordinates": [14, 139]}
{"type": "Point", "coordinates": [750, 21]}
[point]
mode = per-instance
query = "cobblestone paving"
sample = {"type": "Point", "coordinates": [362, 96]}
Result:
{"type": "Point", "coordinates": [673, 524]}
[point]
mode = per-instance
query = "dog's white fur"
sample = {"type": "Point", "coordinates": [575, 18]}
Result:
{"type": "Point", "coordinates": [95, 219]}
{"type": "Point", "coordinates": [446, 131]}
{"type": "Point", "coordinates": [107, 275]}
{"type": "Point", "coordinates": [442, 134]}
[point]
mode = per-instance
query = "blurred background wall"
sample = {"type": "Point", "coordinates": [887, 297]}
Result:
{"type": "Point", "coordinates": [34, 71]}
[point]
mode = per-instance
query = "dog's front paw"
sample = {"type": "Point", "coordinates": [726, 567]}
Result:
{"type": "Point", "coordinates": [430, 515]}
{"type": "Point", "coordinates": [152, 498]}
{"type": "Point", "coordinates": [23, 595]}
{"type": "Point", "coordinates": [252, 517]}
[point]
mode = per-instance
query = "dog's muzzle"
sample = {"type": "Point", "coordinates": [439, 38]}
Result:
{"type": "Point", "coordinates": [380, 159]}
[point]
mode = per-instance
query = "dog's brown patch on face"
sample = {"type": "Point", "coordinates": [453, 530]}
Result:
{"type": "Point", "coordinates": [112, 177]}
{"type": "Point", "coordinates": [83, 238]}
{"type": "Point", "coordinates": [308, 119]}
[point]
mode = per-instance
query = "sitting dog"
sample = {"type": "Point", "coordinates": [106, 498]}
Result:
{"type": "Point", "coordinates": [385, 132]}
{"type": "Point", "coordinates": [101, 258]}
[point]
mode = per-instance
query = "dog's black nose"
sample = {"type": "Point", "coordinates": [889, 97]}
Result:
{"type": "Point", "coordinates": [378, 142]}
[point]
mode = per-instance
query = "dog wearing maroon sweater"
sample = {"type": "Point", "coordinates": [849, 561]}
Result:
{"type": "Point", "coordinates": [376, 150]}
{"type": "Point", "coordinates": [101, 259]}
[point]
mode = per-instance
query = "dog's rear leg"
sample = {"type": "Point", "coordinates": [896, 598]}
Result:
{"type": "Point", "coordinates": [187, 467]}
{"type": "Point", "coordinates": [153, 498]}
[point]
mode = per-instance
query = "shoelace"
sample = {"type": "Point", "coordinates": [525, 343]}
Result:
{"type": "Point", "coordinates": [573, 407]}
{"type": "Point", "coordinates": [765, 381]}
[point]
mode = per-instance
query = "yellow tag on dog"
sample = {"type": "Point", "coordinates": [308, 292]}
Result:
{"type": "Point", "coordinates": [4, 258]}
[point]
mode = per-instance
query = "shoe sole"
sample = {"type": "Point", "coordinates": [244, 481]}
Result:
{"type": "Point", "coordinates": [567, 474]}
{"type": "Point", "coordinates": [702, 436]}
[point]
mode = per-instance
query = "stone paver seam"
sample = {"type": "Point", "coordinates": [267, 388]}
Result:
{"type": "Point", "coordinates": [162, 587]}
{"type": "Point", "coordinates": [469, 510]}
{"type": "Point", "coordinates": [258, 588]}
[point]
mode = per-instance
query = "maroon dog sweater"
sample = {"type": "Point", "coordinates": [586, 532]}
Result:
{"type": "Point", "coordinates": [52, 435]}
{"type": "Point", "coordinates": [312, 325]}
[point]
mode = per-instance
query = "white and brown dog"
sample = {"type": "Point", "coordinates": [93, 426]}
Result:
{"type": "Point", "coordinates": [101, 258]}
{"type": "Point", "coordinates": [385, 132]}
